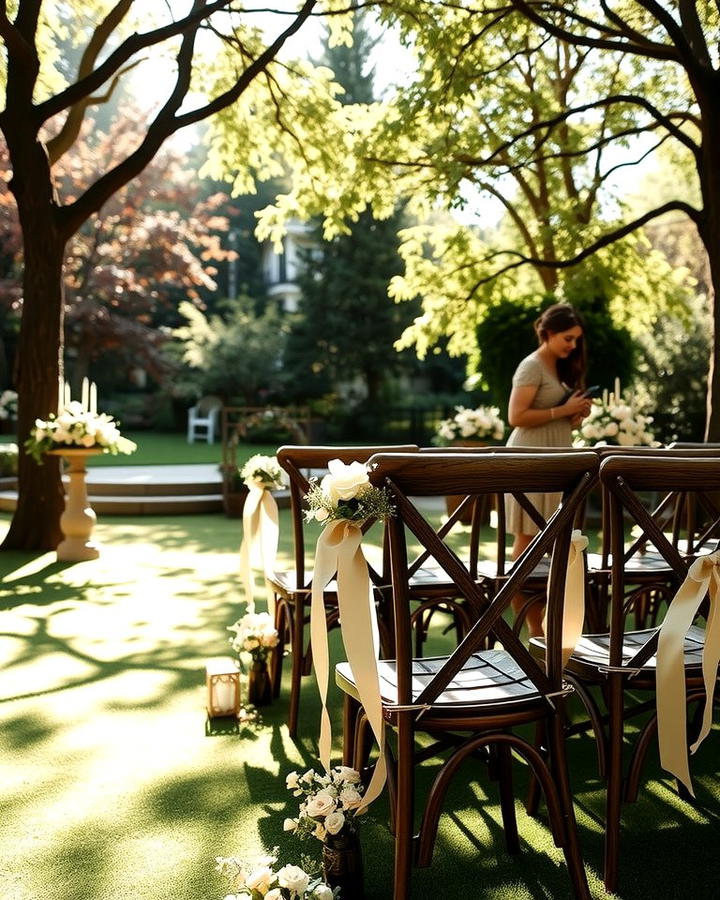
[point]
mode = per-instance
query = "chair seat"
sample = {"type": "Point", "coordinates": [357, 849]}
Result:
{"type": "Point", "coordinates": [286, 581]}
{"type": "Point", "coordinates": [592, 651]}
{"type": "Point", "coordinates": [649, 563]}
{"type": "Point", "coordinates": [487, 568]}
{"type": "Point", "coordinates": [490, 677]}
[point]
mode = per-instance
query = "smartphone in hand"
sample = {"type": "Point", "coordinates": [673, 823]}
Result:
{"type": "Point", "coordinates": [588, 392]}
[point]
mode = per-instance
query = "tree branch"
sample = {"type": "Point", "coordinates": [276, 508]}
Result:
{"type": "Point", "coordinates": [565, 114]}
{"type": "Point", "coordinates": [16, 44]}
{"type": "Point", "coordinates": [67, 135]}
{"type": "Point", "coordinates": [167, 122]}
{"type": "Point", "coordinates": [649, 49]}
{"type": "Point", "coordinates": [605, 241]}
{"type": "Point", "coordinates": [693, 29]}
{"type": "Point", "coordinates": [136, 42]}
{"type": "Point", "coordinates": [514, 214]}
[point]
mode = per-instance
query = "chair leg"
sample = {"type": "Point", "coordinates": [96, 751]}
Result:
{"type": "Point", "coordinates": [276, 660]}
{"type": "Point", "coordinates": [351, 709]}
{"type": "Point", "coordinates": [404, 809]}
{"type": "Point", "coordinates": [503, 769]}
{"type": "Point", "coordinates": [613, 805]}
{"type": "Point", "coordinates": [532, 800]}
{"type": "Point", "coordinates": [558, 761]}
{"type": "Point", "coordinates": [297, 640]}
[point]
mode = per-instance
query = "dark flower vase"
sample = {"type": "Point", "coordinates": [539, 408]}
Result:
{"type": "Point", "coordinates": [342, 865]}
{"type": "Point", "coordinates": [259, 685]}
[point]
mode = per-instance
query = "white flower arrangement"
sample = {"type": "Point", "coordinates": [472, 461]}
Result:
{"type": "Point", "coordinates": [262, 881]}
{"type": "Point", "coordinates": [481, 424]}
{"type": "Point", "coordinates": [255, 635]}
{"type": "Point", "coordinates": [8, 404]}
{"type": "Point", "coordinates": [264, 472]}
{"type": "Point", "coordinates": [330, 803]}
{"type": "Point", "coordinates": [346, 493]}
{"type": "Point", "coordinates": [615, 420]}
{"type": "Point", "coordinates": [76, 426]}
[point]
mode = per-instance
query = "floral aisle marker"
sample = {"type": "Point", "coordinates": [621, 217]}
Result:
{"type": "Point", "coordinates": [262, 880]}
{"type": "Point", "coordinates": [330, 809]}
{"type": "Point", "coordinates": [258, 549]}
{"type": "Point", "coordinates": [76, 432]}
{"type": "Point", "coordinates": [481, 424]}
{"type": "Point", "coordinates": [255, 636]}
{"type": "Point", "coordinates": [615, 420]}
{"type": "Point", "coordinates": [342, 501]}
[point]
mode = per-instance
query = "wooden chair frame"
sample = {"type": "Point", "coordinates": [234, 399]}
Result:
{"type": "Point", "coordinates": [607, 669]}
{"type": "Point", "coordinates": [293, 587]}
{"type": "Point", "coordinates": [479, 728]}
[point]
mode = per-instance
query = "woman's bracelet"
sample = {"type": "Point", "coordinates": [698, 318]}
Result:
{"type": "Point", "coordinates": [552, 412]}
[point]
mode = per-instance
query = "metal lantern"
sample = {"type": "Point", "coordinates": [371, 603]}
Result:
{"type": "Point", "coordinates": [222, 678]}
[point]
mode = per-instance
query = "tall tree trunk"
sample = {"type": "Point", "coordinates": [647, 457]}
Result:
{"type": "Point", "coordinates": [712, 428]}
{"type": "Point", "coordinates": [709, 229]}
{"type": "Point", "coordinates": [36, 523]}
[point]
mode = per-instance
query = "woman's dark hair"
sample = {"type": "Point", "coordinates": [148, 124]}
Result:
{"type": "Point", "coordinates": [562, 317]}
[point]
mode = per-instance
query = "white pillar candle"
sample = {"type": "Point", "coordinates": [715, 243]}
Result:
{"type": "Point", "coordinates": [224, 696]}
{"type": "Point", "coordinates": [68, 396]}
{"type": "Point", "coordinates": [85, 394]}
{"type": "Point", "coordinates": [61, 395]}
{"type": "Point", "coordinates": [93, 397]}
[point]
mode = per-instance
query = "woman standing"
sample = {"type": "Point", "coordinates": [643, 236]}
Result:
{"type": "Point", "coordinates": [546, 403]}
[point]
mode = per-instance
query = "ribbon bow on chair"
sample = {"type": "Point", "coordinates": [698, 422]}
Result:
{"type": "Point", "coordinates": [260, 541]}
{"type": "Point", "coordinates": [574, 603]}
{"type": "Point", "coordinates": [338, 551]}
{"type": "Point", "coordinates": [703, 577]}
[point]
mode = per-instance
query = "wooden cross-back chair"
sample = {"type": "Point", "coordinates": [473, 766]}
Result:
{"type": "Point", "coordinates": [293, 586]}
{"type": "Point", "coordinates": [610, 670]}
{"type": "Point", "coordinates": [493, 571]}
{"type": "Point", "coordinates": [687, 517]}
{"type": "Point", "coordinates": [471, 701]}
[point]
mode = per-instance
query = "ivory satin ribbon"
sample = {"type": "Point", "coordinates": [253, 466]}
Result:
{"type": "Point", "coordinates": [260, 541]}
{"type": "Point", "coordinates": [338, 554]}
{"type": "Point", "coordinates": [574, 597]}
{"type": "Point", "coordinates": [703, 577]}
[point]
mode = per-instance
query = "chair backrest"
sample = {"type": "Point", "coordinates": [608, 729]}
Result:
{"type": "Point", "coordinates": [303, 462]}
{"type": "Point", "coordinates": [624, 478]}
{"type": "Point", "coordinates": [426, 475]}
{"type": "Point", "coordinates": [208, 407]}
{"type": "Point", "coordinates": [476, 519]}
{"type": "Point", "coordinates": [674, 510]}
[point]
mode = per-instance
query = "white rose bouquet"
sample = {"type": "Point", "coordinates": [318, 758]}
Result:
{"type": "Point", "coordinates": [255, 635]}
{"type": "Point", "coordinates": [330, 802]}
{"type": "Point", "coordinates": [481, 424]}
{"type": "Point", "coordinates": [76, 427]}
{"type": "Point", "coordinates": [264, 472]}
{"type": "Point", "coordinates": [262, 881]}
{"type": "Point", "coordinates": [615, 420]}
{"type": "Point", "coordinates": [346, 493]}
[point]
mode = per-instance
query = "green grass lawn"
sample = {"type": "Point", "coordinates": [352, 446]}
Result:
{"type": "Point", "coordinates": [116, 787]}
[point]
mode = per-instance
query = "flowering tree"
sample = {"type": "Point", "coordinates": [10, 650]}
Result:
{"type": "Point", "coordinates": [233, 72]}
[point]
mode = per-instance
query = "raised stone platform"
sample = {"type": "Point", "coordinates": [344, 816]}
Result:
{"type": "Point", "coordinates": [146, 490]}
